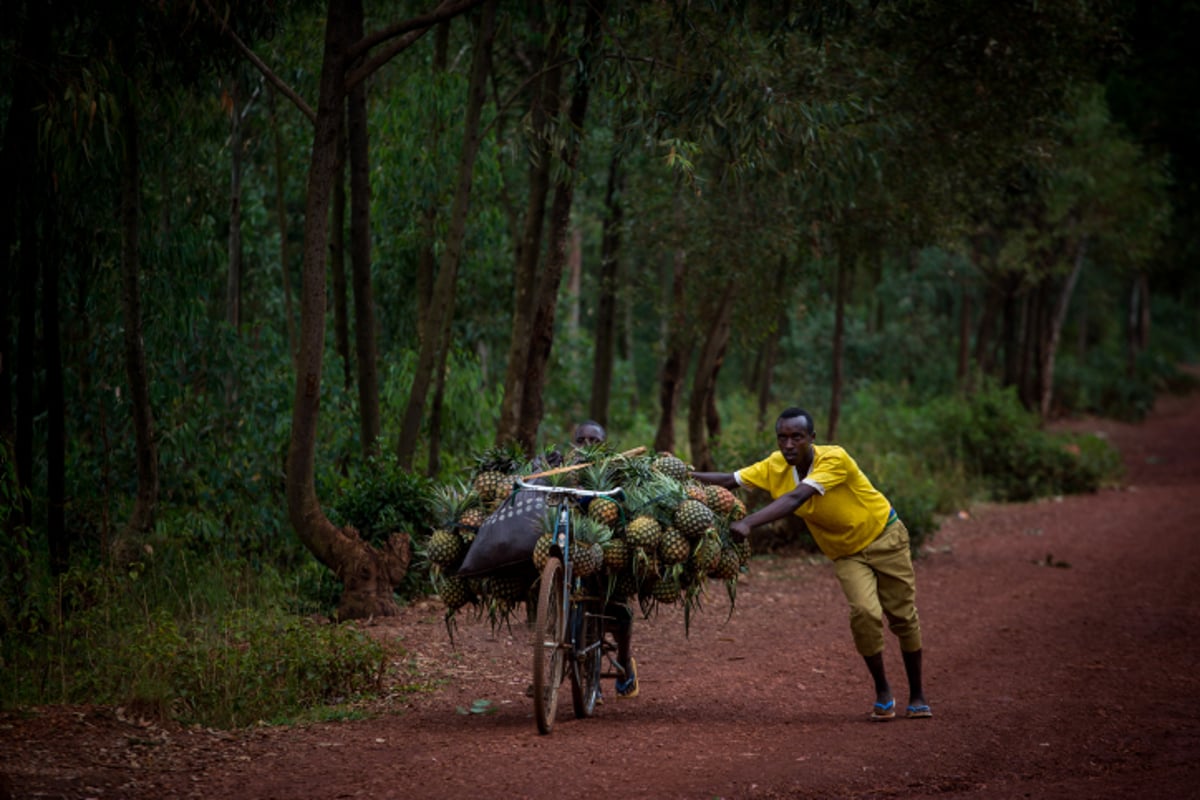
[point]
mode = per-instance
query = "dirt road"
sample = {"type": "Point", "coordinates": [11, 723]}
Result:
{"type": "Point", "coordinates": [1061, 652]}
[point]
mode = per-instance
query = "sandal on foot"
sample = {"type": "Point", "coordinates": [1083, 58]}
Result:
{"type": "Point", "coordinates": [627, 687]}
{"type": "Point", "coordinates": [918, 711]}
{"type": "Point", "coordinates": [882, 712]}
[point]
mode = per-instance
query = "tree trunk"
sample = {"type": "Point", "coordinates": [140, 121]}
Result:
{"type": "Point", "coordinates": [369, 575]}
{"type": "Point", "coordinates": [675, 362]}
{"type": "Point", "coordinates": [145, 507]}
{"type": "Point", "coordinates": [542, 338]}
{"type": "Point", "coordinates": [770, 350]}
{"type": "Point", "coordinates": [434, 349]}
{"type": "Point", "coordinates": [1138, 328]}
{"type": "Point", "coordinates": [704, 382]}
{"type": "Point", "coordinates": [337, 264]}
{"type": "Point", "coordinates": [426, 258]}
{"type": "Point", "coordinates": [842, 286]}
{"type": "Point", "coordinates": [360, 254]}
{"type": "Point", "coordinates": [282, 220]}
{"type": "Point", "coordinates": [1011, 332]}
{"type": "Point", "coordinates": [1050, 349]}
{"type": "Point", "coordinates": [233, 283]}
{"type": "Point", "coordinates": [57, 534]}
{"type": "Point", "coordinates": [605, 331]}
{"type": "Point", "coordinates": [543, 111]}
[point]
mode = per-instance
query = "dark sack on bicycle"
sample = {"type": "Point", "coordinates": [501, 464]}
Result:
{"type": "Point", "coordinates": [508, 536]}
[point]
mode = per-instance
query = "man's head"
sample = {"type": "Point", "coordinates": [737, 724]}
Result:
{"type": "Point", "coordinates": [588, 433]}
{"type": "Point", "coordinates": [794, 433]}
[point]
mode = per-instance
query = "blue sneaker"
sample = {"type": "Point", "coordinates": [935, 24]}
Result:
{"type": "Point", "coordinates": [627, 687]}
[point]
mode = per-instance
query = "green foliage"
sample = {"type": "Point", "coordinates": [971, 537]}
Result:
{"type": "Point", "coordinates": [1001, 445]}
{"type": "Point", "coordinates": [189, 640]}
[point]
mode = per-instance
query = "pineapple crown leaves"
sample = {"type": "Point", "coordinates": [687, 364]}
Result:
{"type": "Point", "coordinates": [657, 496]}
{"type": "Point", "coordinates": [508, 458]}
{"type": "Point", "coordinates": [450, 501]}
{"type": "Point", "coordinates": [631, 470]}
{"type": "Point", "coordinates": [597, 477]}
{"type": "Point", "coordinates": [589, 531]}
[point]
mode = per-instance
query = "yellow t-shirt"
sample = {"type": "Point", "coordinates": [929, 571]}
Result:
{"type": "Point", "coordinates": [845, 515]}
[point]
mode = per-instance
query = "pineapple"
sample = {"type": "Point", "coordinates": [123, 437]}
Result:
{"type": "Point", "coordinates": [696, 491]}
{"type": "Point", "coordinates": [719, 499]}
{"type": "Point", "coordinates": [494, 470]}
{"type": "Point", "coordinates": [674, 547]}
{"type": "Point", "coordinates": [742, 549]}
{"type": "Point", "coordinates": [692, 518]}
{"type": "Point", "coordinates": [728, 565]}
{"type": "Point", "coordinates": [707, 551]}
{"type": "Point", "coordinates": [541, 551]}
{"type": "Point", "coordinates": [616, 554]}
{"type": "Point", "coordinates": [644, 531]}
{"type": "Point", "coordinates": [667, 589]}
{"type": "Point", "coordinates": [671, 466]}
{"type": "Point", "coordinates": [587, 549]}
{"type": "Point", "coordinates": [739, 509]}
{"type": "Point", "coordinates": [456, 592]}
{"type": "Point", "coordinates": [599, 478]}
{"type": "Point", "coordinates": [445, 547]}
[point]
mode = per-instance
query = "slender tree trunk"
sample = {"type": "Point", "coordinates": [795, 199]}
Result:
{"type": "Point", "coordinates": [542, 339]}
{"type": "Point", "coordinates": [544, 110]}
{"type": "Point", "coordinates": [1010, 332]}
{"type": "Point", "coordinates": [282, 220]}
{"type": "Point", "coordinates": [770, 350]}
{"type": "Point", "coordinates": [233, 283]}
{"type": "Point", "coordinates": [57, 534]}
{"type": "Point", "coordinates": [1050, 350]}
{"type": "Point", "coordinates": [426, 257]}
{"type": "Point", "coordinates": [360, 255]}
{"type": "Point", "coordinates": [145, 506]}
{"type": "Point", "coordinates": [704, 382]}
{"type": "Point", "coordinates": [1138, 327]}
{"type": "Point", "coordinates": [844, 269]}
{"type": "Point", "coordinates": [604, 334]}
{"type": "Point", "coordinates": [337, 265]}
{"type": "Point", "coordinates": [435, 349]}
{"type": "Point", "coordinates": [675, 362]}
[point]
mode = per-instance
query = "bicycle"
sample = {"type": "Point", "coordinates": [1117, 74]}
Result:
{"type": "Point", "coordinates": [570, 619]}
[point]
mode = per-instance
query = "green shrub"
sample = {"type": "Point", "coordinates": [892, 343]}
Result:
{"type": "Point", "coordinates": [196, 641]}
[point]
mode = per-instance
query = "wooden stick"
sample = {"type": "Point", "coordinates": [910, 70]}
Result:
{"type": "Point", "coordinates": [637, 451]}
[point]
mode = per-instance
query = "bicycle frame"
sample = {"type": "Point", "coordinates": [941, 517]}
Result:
{"type": "Point", "coordinates": [574, 638]}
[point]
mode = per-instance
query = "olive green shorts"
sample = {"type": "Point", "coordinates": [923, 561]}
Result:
{"type": "Point", "coordinates": [878, 581]}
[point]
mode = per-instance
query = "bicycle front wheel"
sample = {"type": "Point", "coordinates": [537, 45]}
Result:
{"type": "Point", "coordinates": [549, 645]}
{"type": "Point", "coordinates": [585, 669]}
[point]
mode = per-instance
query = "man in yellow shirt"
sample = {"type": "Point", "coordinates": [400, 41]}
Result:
{"type": "Point", "coordinates": [857, 528]}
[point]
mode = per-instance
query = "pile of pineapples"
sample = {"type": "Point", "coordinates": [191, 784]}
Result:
{"type": "Point", "coordinates": [661, 540]}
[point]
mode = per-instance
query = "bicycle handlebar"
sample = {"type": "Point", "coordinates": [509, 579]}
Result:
{"type": "Point", "coordinates": [535, 487]}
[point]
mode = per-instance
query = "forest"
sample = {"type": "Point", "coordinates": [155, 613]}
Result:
{"type": "Point", "coordinates": [274, 273]}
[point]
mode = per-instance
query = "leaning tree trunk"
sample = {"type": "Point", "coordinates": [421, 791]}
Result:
{"type": "Point", "coordinates": [435, 346]}
{"type": "Point", "coordinates": [1050, 349]}
{"type": "Point", "coordinates": [543, 111]}
{"type": "Point", "coordinates": [368, 575]}
{"type": "Point", "coordinates": [542, 338]}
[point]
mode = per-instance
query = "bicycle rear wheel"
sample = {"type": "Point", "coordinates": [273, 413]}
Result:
{"type": "Point", "coordinates": [585, 670]}
{"type": "Point", "coordinates": [548, 645]}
